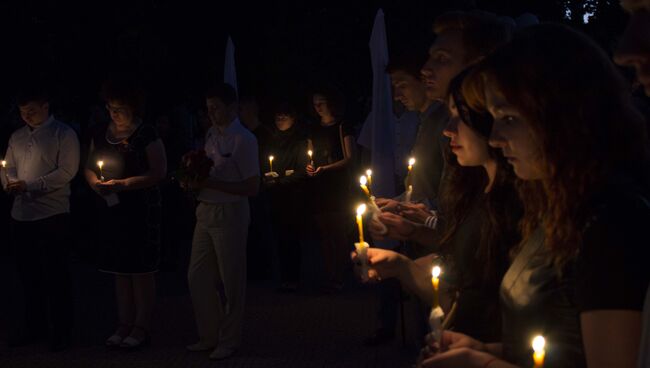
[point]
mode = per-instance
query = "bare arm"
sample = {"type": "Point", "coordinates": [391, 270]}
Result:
{"type": "Point", "coordinates": [348, 151]}
{"type": "Point", "coordinates": [611, 338]}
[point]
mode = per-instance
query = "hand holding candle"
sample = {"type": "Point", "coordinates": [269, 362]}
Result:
{"type": "Point", "coordinates": [538, 347]}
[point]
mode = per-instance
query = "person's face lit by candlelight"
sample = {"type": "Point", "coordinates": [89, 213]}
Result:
{"type": "Point", "coordinates": [634, 48]}
{"type": "Point", "coordinates": [513, 135]}
{"type": "Point", "coordinates": [446, 60]}
{"type": "Point", "coordinates": [468, 146]}
{"type": "Point", "coordinates": [121, 113]}
{"type": "Point", "coordinates": [408, 90]}
{"type": "Point", "coordinates": [34, 113]}
{"type": "Point", "coordinates": [284, 121]}
{"type": "Point", "coordinates": [321, 106]}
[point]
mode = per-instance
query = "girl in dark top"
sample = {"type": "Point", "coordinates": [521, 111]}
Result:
{"type": "Point", "coordinates": [565, 121]}
{"type": "Point", "coordinates": [479, 211]}
{"type": "Point", "coordinates": [332, 143]}
{"type": "Point", "coordinates": [129, 213]}
{"type": "Point", "coordinates": [288, 144]}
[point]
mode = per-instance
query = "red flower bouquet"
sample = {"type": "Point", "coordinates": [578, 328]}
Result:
{"type": "Point", "coordinates": [195, 166]}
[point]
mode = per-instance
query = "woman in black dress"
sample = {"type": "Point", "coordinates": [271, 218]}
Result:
{"type": "Point", "coordinates": [564, 119]}
{"type": "Point", "coordinates": [332, 143]}
{"type": "Point", "coordinates": [125, 164]}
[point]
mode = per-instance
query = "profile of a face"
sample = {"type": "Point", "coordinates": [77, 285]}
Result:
{"type": "Point", "coordinates": [446, 60]}
{"type": "Point", "coordinates": [34, 113]}
{"type": "Point", "coordinates": [512, 134]}
{"type": "Point", "coordinates": [466, 144]}
{"type": "Point", "coordinates": [408, 90]}
{"type": "Point", "coordinates": [320, 105]}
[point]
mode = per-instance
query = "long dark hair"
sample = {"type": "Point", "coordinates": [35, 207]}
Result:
{"type": "Point", "coordinates": [578, 108]}
{"type": "Point", "coordinates": [463, 190]}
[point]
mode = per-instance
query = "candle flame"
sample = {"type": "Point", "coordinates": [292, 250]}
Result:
{"type": "Point", "coordinates": [4, 163]}
{"type": "Point", "coordinates": [368, 172]}
{"type": "Point", "coordinates": [361, 209]}
{"type": "Point", "coordinates": [363, 180]}
{"type": "Point", "coordinates": [411, 161]}
{"type": "Point", "coordinates": [310, 153]}
{"type": "Point", "coordinates": [271, 158]}
{"type": "Point", "coordinates": [538, 344]}
{"type": "Point", "coordinates": [100, 164]}
{"type": "Point", "coordinates": [410, 188]}
{"type": "Point", "coordinates": [435, 272]}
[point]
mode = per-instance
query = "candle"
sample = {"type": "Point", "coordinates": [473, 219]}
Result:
{"type": "Point", "coordinates": [360, 211]}
{"type": "Point", "coordinates": [435, 280]}
{"type": "Point", "coordinates": [362, 183]}
{"type": "Point", "coordinates": [369, 175]}
{"type": "Point", "coordinates": [538, 347]}
{"type": "Point", "coordinates": [310, 153]}
{"type": "Point", "coordinates": [100, 164]}
{"type": "Point", "coordinates": [271, 163]}
{"type": "Point", "coordinates": [4, 166]}
{"type": "Point", "coordinates": [411, 163]}
{"type": "Point", "coordinates": [409, 192]}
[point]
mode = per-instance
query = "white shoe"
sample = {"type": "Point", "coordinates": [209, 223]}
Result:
{"type": "Point", "coordinates": [221, 353]}
{"type": "Point", "coordinates": [199, 346]}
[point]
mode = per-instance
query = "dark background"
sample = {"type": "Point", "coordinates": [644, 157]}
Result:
{"type": "Point", "coordinates": [282, 47]}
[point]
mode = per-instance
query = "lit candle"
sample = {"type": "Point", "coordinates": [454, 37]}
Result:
{"type": "Point", "coordinates": [362, 183]}
{"type": "Point", "coordinates": [369, 175]}
{"type": "Point", "coordinates": [435, 280]}
{"type": "Point", "coordinates": [538, 347]}
{"type": "Point", "coordinates": [100, 164]}
{"type": "Point", "coordinates": [4, 167]}
{"type": "Point", "coordinates": [271, 163]}
{"type": "Point", "coordinates": [360, 211]}
{"type": "Point", "coordinates": [310, 153]}
{"type": "Point", "coordinates": [411, 163]}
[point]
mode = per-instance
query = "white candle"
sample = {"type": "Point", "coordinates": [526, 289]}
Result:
{"type": "Point", "coordinates": [310, 153]}
{"type": "Point", "coordinates": [4, 167]}
{"type": "Point", "coordinates": [271, 163]}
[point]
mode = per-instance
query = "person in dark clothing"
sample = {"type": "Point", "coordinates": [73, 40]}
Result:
{"type": "Point", "coordinates": [286, 191]}
{"type": "Point", "coordinates": [332, 143]}
{"type": "Point", "coordinates": [580, 275]}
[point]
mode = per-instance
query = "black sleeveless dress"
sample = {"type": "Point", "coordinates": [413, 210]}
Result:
{"type": "Point", "coordinates": [129, 232]}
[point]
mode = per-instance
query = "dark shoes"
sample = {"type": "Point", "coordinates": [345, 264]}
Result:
{"type": "Point", "coordinates": [380, 337]}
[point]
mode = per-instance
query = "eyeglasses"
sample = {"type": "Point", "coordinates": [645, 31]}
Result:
{"type": "Point", "coordinates": [116, 110]}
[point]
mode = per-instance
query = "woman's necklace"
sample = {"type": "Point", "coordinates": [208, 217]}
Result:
{"type": "Point", "coordinates": [114, 139]}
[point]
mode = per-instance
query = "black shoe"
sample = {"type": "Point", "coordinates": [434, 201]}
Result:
{"type": "Point", "coordinates": [380, 337]}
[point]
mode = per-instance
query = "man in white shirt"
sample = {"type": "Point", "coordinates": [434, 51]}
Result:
{"type": "Point", "coordinates": [41, 159]}
{"type": "Point", "coordinates": [218, 259]}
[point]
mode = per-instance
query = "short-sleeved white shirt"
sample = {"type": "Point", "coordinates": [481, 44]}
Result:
{"type": "Point", "coordinates": [234, 153]}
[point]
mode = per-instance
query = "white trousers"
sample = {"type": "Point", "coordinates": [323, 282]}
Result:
{"type": "Point", "coordinates": [217, 271]}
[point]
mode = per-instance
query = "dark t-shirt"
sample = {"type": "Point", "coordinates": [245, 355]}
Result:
{"type": "Point", "coordinates": [610, 272]}
{"type": "Point", "coordinates": [331, 188]}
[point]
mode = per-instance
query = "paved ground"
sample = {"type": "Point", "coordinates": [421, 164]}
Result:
{"type": "Point", "coordinates": [306, 329]}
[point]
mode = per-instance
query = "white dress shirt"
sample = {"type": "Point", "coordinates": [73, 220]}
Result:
{"type": "Point", "coordinates": [47, 159]}
{"type": "Point", "coordinates": [234, 153]}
